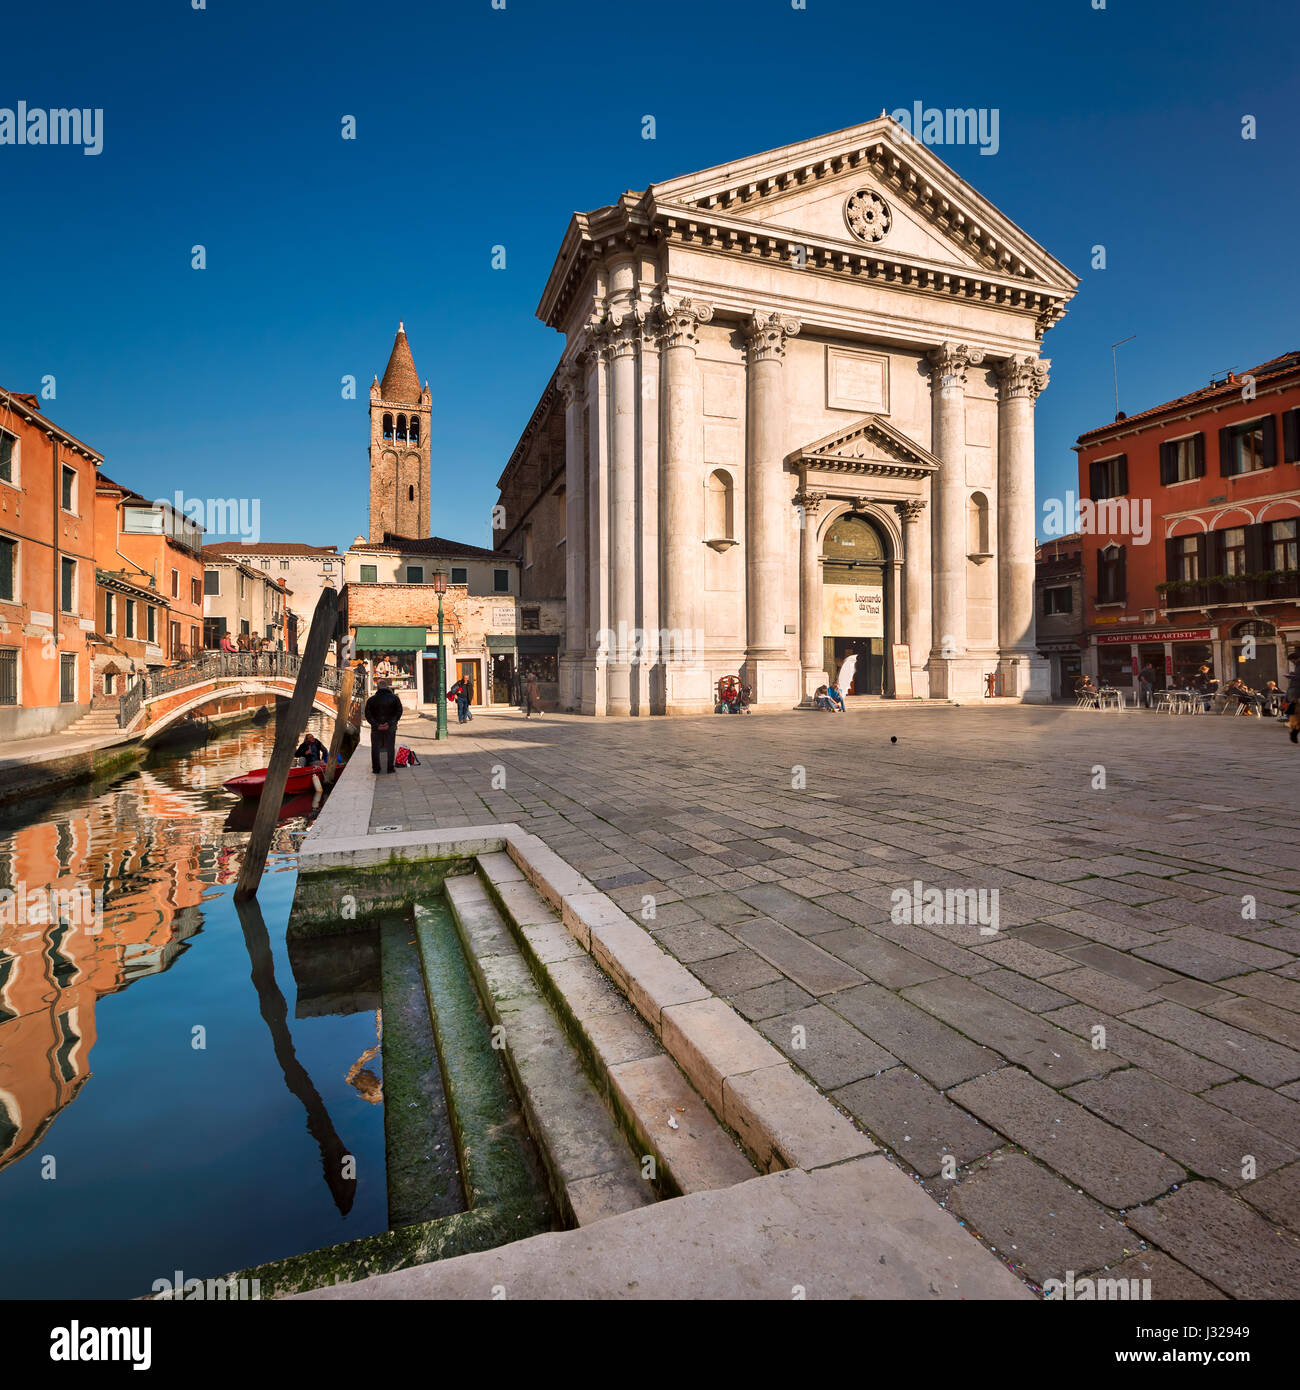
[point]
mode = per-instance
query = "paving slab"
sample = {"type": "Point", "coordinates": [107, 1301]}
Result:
{"type": "Point", "coordinates": [1169, 1282]}
{"type": "Point", "coordinates": [1032, 1219]}
{"type": "Point", "coordinates": [1258, 1105]}
{"type": "Point", "coordinates": [1207, 1140]}
{"type": "Point", "coordinates": [919, 1040]}
{"type": "Point", "coordinates": [1052, 1055]}
{"type": "Point", "coordinates": [1222, 1239]}
{"type": "Point", "coordinates": [1118, 1170]}
{"type": "Point", "coordinates": [1133, 1044]}
{"type": "Point", "coordinates": [878, 958]}
{"type": "Point", "coordinates": [1277, 1197]}
{"type": "Point", "coordinates": [859, 1231]}
{"type": "Point", "coordinates": [823, 1046]}
{"type": "Point", "coordinates": [916, 1121]}
{"type": "Point", "coordinates": [807, 965]}
{"type": "Point", "coordinates": [1246, 1053]}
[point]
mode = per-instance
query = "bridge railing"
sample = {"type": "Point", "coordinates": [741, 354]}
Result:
{"type": "Point", "coordinates": [218, 665]}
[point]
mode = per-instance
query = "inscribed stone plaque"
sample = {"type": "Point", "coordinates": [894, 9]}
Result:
{"type": "Point", "coordinates": [857, 381]}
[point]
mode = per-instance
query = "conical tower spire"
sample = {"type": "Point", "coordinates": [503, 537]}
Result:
{"type": "Point", "coordinates": [401, 381]}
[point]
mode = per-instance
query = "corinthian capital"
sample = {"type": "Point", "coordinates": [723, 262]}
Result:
{"type": "Point", "coordinates": [623, 328]}
{"type": "Point", "coordinates": [909, 511]}
{"type": "Point", "coordinates": [678, 320]}
{"type": "Point", "coordinates": [809, 502]}
{"type": "Point", "coordinates": [1022, 376]}
{"type": "Point", "coordinates": [766, 333]}
{"type": "Point", "coordinates": [569, 382]}
{"type": "Point", "coordinates": [948, 363]}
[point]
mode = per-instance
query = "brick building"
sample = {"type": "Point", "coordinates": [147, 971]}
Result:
{"type": "Point", "coordinates": [1058, 601]}
{"type": "Point", "coordinates": [1192, 547]}
{"type": "Point", "coordinates": [47, 570]}
{"type": "Point", "coordinates": [400, 414]}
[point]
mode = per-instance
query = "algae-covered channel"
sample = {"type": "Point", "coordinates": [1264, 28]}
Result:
{"type": "Point", "coordinates": [182, 1089]}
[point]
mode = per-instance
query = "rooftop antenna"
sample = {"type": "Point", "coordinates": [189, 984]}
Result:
{"type": "Point", "coordinates": [1114, 367]}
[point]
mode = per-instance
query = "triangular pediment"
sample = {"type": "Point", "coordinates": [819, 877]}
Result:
{"type": "Point", "coordinates": [935, 217]}
{"type": "Point", "coordinates": [870, 445]}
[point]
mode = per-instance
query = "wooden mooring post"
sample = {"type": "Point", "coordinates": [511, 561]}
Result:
{"type": "Point", "coordinates": [287, 734]}
{"type": "Point", "coordinates": [347, 679]}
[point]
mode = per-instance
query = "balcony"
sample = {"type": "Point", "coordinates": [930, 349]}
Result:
{"type": "Point", "coordinates": [1230, 591]}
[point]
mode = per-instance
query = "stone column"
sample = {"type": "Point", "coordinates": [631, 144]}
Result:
{"type": "Point", "coordinates": [917, 628]}
{"type": "Point", "coordinates": [811, 650]}
{"type": "Point", "coordinates": [681, 503]}
{"type": "Point", "coordinates": [570, 383]}
{"type": "Point", "coordinates": [1020, 380]}
{"type": "Point", "coordinates": [766, 659]}
{"type": "Point", "coordinates": [951, 670]}
{"type": "Point", "coordinates": [596, 359]}
{"type": "Point", "coordinates": [624, 331]}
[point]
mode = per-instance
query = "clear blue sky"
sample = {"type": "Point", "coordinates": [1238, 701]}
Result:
{"type": "Point", "coordinates": [478, 126]}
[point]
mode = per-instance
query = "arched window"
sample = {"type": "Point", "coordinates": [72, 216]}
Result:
{"type": "Point", "coordinates": [401, 429]}
{"type": "Point", "coordinates": [853, 540]}
{"type": "Point", "coordinates": [977, 528]}
{"type": "Point", "coordinates": [388, 426]}
{"type": "Point", "coordinates": [719, 507]}
{"type": "Point", "coordinates": [414, 433]}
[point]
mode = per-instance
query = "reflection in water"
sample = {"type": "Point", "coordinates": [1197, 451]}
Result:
{"type": "Point", "coordinates": [335, 1160]}
{"type": "Point", "coordinates": [105, 887]}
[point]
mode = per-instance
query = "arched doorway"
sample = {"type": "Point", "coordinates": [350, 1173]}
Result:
{"type": "Point", "coordinates": [1254, 653]}
{"type": "Point", "coordinates": [855, 554]}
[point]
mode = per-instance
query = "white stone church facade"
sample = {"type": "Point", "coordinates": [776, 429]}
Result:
{"type": "Point", "coordinates": [793, 419]}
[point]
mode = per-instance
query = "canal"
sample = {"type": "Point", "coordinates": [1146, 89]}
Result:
{"type": "Point", "coordinates": [169, 1100]}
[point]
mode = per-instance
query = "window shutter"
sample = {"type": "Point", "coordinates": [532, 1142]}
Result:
{"type": "Point", "coordinates": [1291, 436]}
{"type": "Point", "coordinates": [1171, 559]}
{"type": "Point", "coordinates": [1166, 463]}
{"type": "Point", "coordinates": [1094, 481]}
{"type": "Point", "coordinates": [1121, 582]}
{"type": "Point", "coordinates": [1216, 552]}
{"type": "Point", "coordinates": [1225, 452]}
{"type": "Point", "coordinates": [1270, 441]}
{"type": "Point", "coordinates": [1121, 469]}
{"type": "Point", "coordinates": [1199, 454]}
{"type": "Point", "coordinates": [1255, 538]}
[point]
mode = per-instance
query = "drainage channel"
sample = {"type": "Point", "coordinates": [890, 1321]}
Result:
{"type": "Point", "coordinates": [522, 1092]}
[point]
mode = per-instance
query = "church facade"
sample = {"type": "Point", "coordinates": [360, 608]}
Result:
{"type": "Point", "coordinates": [793, 421]}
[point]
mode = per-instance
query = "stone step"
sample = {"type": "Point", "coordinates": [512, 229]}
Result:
{"type": "Point", "coordinates": [593, 1172]}
{"type": "Point", "coordinates": [658, 1108]}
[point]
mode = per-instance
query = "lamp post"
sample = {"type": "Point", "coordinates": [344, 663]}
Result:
{"type": "Point", "coordinates": [440, 588]}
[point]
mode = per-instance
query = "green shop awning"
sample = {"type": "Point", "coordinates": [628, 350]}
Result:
{"type": "Point", "coordinates": [391, 639]}
{"type": "Point", "coordinates": [500, 644]}
{"type": "Point", "coordinates": [538, 643]}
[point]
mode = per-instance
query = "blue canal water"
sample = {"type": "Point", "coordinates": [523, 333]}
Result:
{"type": "Point", "coordinates": [167, 1102]}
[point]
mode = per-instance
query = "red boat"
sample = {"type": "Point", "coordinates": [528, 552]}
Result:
{"type": "Point", "coordinates": [250, 784]}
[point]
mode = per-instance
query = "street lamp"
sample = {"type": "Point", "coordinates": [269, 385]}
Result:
{"type": "Point", "coordinates": [440, 588]}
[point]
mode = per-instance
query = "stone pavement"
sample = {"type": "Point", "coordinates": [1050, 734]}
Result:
{"type": "Point", "coordinates": [1097, 1068]}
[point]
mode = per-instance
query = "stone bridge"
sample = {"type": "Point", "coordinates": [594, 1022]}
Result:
{"type": "Point", "coordinates": [168, 696]}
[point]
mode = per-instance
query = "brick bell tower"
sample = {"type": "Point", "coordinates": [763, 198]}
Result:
{"type": "Point", "coordinates": [400, 414]}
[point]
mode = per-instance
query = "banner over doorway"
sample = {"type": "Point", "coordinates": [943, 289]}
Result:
{"type": "Point", "coordinates": [852, 610]}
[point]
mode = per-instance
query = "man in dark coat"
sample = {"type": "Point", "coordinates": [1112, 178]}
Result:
{"type": "Point", "coordinates": [383, 710]}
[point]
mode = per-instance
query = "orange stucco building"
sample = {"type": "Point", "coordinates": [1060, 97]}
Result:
{"type": "Point", "coordinates": [47, 570]}
{"type": "Point", "coordinates": [1191, 544]}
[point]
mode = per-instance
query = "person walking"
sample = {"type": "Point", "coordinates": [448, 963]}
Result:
{"type": "Point", "coordinates": [383, 710]}
{"type": "Point", "coordinates": [532, 699]}
{"type": "Point", "coordinates": [1293, 697]}
{"type": "Point", "coordinates": [1147, 685]}
{"type": "Point", "coordinates": [460, 693]}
